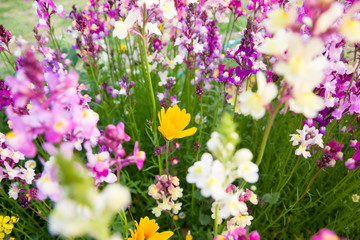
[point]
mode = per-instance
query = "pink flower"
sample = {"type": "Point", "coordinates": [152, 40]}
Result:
{"type": "Point", "coordinates": [326, 234]}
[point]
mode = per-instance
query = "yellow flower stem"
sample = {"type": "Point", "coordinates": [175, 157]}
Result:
{"type": "Point", "coordinates": [236, 96]}
{"type": "Point", "coordinates": [166, 158]}
{"type": "Point", "coordinates": [149, 77]}
{"type": "Point", "coordinates": [216, 220]}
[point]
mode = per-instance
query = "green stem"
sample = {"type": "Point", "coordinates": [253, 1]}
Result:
{"type": "Point", "coordinates": [201, 126]}
{"type": "Point", "coordinates": [216, 220]}
{"type": "Point", "coordinates": [150, 86]}
{"type": "Point", "coordinates": [266, 136]}
{"type": "Point", "coordinates": [166, 158]}
{"type": "Point", "coordinates": [8, 60]}
{"type": "Point", "coordinates": [267, 132]}
{"type": "Point", "coordinates": [236, 96]}
{"type": "Point", "coordinates": [216, 111]}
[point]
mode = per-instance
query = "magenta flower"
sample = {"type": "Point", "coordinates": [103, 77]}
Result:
{"type": "Point", "coordinates": [326, 234]}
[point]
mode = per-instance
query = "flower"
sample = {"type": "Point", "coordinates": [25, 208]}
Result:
{"type": "Point", "coordinates": [173, 122]}
{"type": "Point", "coordinates": [355, 198]}
{"type": "Point", "coordinates": [122, 27]}
{"type": "Point", "coordinates": [325, 234]}
{"type": "Point", "coordinates": [7, 225]}
{"type": "Point", "coordinates": [147, 229]}
{"type": "Point", "coordinates": [255, 103]}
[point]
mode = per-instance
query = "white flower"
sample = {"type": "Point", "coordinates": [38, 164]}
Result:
{"type": "Point", "coordinates": [307, 103]}
{"type": "Point", "coordinates": [14, 192]}
{"type": "Point", "coordinates": [176, 193]}
{"type": "Point", "coordinates": [168, 9]}
{"type": "Point", "coordinates": [30, 164]}
{"type": "Point", "coordinates": [304, 60]}
{"type": "Point", "coordinates": [198, 172]}
{"type": "Point", "coordinates": [295, 138]}
{"type": "Point", "coordinates": [302, 150]}
{"type": "Point", "coordinates": [69, 218]}
{"type": "Point", "coordinates": [198, 48]}
{"type": "Point", "coordinates": [350, 29]}
{"type": "Point", "coordinates": [156, 211]}
{"type": "Point", "coordinates": [276, 45]}
{"type": "Point", "coordinates": [163, 77]}
{"type": "Point", "coordinates": [165, 205]}
{"type": "Point", "coordinates": [122, 27]}
{"type": "Point", "coordinates": [232, 206]}
{"type": "Point", "coordinates": [149, 3]}
{"type": "Point", "coordinates": [29, 175]}
{"type": "Point", "coordinates": [355, 198]}
{"type": "Point", "coordinates": [328, 18]}
{"type": "Point", "coordinates": [255, 103]}
{"type": "Point", "coordinates": [279, 19]}
{"type": "Point", "coordinates": [248, 171]}
{"type": "Point", "coordinates": [213, 185]}
{"type": "Point", "coordinates": [198, 119]}
{"type": "Point", "coordinates": [176, 207]}
{"type": "Point", "coordinates": [113, 198]}
{"type": "Point", "coordinates": [151, 28]}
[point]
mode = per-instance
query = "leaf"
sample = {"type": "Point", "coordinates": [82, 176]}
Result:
{"type": "Point", "coordinates": [271, 197]}
{"type": "Point", "coordinates": [204, 219]}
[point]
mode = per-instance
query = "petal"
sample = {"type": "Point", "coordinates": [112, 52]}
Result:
{"type": "Point", "coordinates": [165, 235]}
{"type": "Point", "coordinates": [183, 120]}
{"type": "Point", "coordinates": [186, 133]}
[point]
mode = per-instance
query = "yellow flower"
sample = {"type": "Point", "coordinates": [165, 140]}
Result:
{"type": "Point", "coordinates": [173, 122]}
{"type": "Point", "coordinates": [147, 230]}
{"type": "Point", "coordinates": [7, 226]}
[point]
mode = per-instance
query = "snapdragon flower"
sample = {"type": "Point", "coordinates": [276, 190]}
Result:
{"type": "Point", "coordinates": [255, 103]}
{"type": "Point", "coordinates": [123, 27]}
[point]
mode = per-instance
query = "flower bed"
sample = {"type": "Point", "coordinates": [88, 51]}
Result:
{"type": "Point", "coordinates": [182, 119]}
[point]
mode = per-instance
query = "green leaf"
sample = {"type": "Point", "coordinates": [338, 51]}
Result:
{"type": "Point", "coordinates": [271, 197]}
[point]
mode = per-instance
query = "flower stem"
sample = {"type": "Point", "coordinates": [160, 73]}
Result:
{"type": "Point", "coordinates": [201, 126]}
{"type": "Point", "coordinates": [38, 214]}
{"type": "Point", "coordinates": [267, 132]}
{"type": "Point", "coordinates": [266, 136]}
{"type": "Point", "coordinates": [149, 77]}
{"type": "Point", "coordinates": [216, 112]}
{"type": "Point", "coordinates": [166, 158]}
{"type": "Point", "coordinates": [237, 93]}
{"type": "Point", "coordinates": [216, 220]}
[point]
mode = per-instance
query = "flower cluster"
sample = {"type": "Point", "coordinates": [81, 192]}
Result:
{"type": "Point", "coordinates": [7, 225]}
{"type": "Point", "coordinates": [235, 206]}
{"type": "Point", "coordinates": [331, 153]}
{"type": "Point", "coordinates": [354, 161]}
{"type": "Point", "coordinates": [214, 177]}
{"type": "Point", "coordinates": [238, 234]}
{"type": "Point", "coordinates": [306, 137]}
{"type": "Point", "coordinates": [166, 191]}
{"type": "Point", "coordinates": [21, 174]}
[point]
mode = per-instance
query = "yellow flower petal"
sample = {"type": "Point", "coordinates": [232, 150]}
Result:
{"type": "Point", "coordinates": [165, 235]}
{"type": "Point", "coordinates": [187, 133]}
